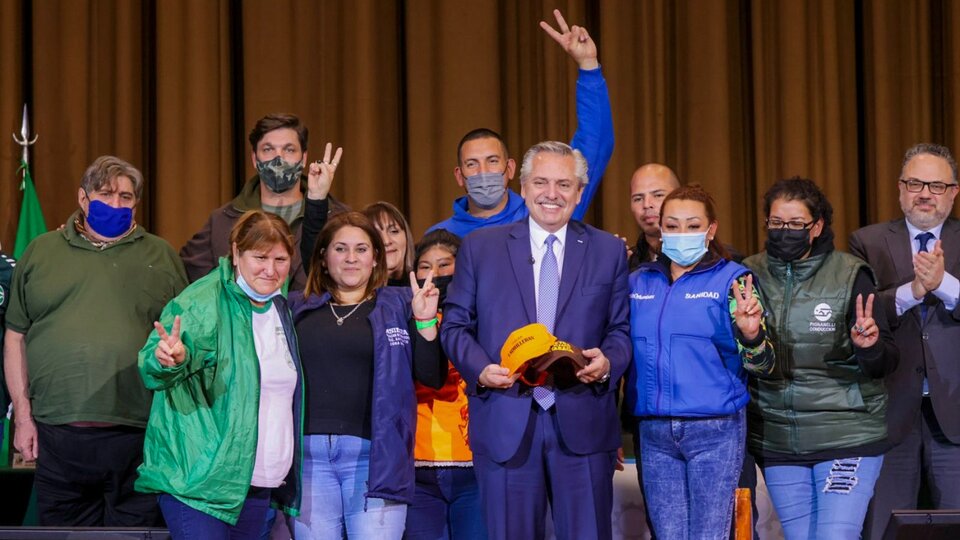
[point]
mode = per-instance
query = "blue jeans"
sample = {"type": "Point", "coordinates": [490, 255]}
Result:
{"type": "Point", "coordinates": [446, 506]}
{"type": "Point", "coordinates": [335, 473]}
{"type": "Point", "coordinates": [690, 472]}
{"type": "Point", "coordinates": [186, 523]}
{"type": "Point", "coordinates": [826, 500]}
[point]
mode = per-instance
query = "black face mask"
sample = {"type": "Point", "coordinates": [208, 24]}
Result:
{"type": "Point", "coordinates": [788, 245]}
{"type": "Point", "coordinates": [440, 282]}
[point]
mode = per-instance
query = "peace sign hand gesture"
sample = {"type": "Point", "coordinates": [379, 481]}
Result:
{"type": "Point", "coordinates": [425, 299]}
{"type": "Point", "coordinates": [747, 310]}
{"type": "Point", "coordinates": [864, 333]}
{"type": "Point", "coordinates": [575, 40]}
{"type": "Point", "coordinates": [320, 173]}
{"type": "Point", "coordinates": [170, 351]}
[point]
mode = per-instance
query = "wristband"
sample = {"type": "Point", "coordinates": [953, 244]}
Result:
{"type": "Point", "coordinates": [425, 324]}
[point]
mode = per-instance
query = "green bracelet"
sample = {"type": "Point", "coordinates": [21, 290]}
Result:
{"type": "Point", "coordinates": [426, 324]}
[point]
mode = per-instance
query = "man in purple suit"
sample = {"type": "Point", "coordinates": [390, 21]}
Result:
{"type": "Point", "coordinates": [534, 444]}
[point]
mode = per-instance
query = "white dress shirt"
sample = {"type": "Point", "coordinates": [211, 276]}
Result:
{"type": "Point", "coordinates": [949, 289]}
{"type": "Point", "coordinates": [538, 248]}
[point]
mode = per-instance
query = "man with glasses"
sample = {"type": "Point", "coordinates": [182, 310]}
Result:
{"type": "Point", "coordinates": [916, 261]}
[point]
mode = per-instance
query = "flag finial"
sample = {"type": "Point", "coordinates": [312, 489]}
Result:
{"type": "Point", "coordinates": [25, 141]}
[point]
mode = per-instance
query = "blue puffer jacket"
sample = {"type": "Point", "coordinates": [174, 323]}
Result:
{"type": "Point", "coordinates": [685, 357]}
{"type": "Point", "coordinates": [394, 408]}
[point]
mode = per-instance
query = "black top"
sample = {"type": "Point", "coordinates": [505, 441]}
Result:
{"type": "Point", "coordinates": [338, 368]}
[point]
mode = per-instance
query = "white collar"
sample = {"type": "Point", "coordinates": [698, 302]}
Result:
{"type": "Point", "coordinates": [538, 235]}
{"type": "Point", "coordinates": [914, 231]}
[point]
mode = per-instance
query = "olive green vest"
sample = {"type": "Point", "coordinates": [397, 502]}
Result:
{"type": "Point", "coordinates": [817, 398]}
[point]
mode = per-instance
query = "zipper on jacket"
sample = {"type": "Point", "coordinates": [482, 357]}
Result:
{"type": "Point", "coordinates": [660, 347]}
{"type": "Point", "coordinates": [781, 354]}
{"type": "Point", "coordinates": [660, 327]}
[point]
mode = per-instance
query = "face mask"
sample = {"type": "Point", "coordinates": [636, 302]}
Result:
{"type": "Point", "coordinates": [684, 249]}
{"type": "Point", "coordinates": [252, 294]}
{"type": "Point", "coordinates": [440, 282]}
{"type": "Point", "coordinates": [486, 189]}
{"type": "Point", "coordinates": [279, 175]}
{"type": "Point", "coordinates": [788, 245]}
{"type": "Point", "coordinates": [107, 221]}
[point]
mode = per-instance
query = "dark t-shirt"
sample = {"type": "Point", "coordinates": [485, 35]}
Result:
{"type": "Point", "coordinates": [338, 369]}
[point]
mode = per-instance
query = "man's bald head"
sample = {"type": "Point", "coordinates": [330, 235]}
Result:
{"type": "Point", "coordinates": [648, 187]}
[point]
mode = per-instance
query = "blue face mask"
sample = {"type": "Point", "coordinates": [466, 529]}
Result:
{"type": "Point", "coordinates": [252, 294]}
{"type": "Point", "coordinates": [107, 221]}
{"type": "Point", "coordinates": [685, 249]}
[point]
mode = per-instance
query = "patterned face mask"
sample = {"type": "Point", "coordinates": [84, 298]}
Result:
{"type": "Point", "coordinates": [279, 175]}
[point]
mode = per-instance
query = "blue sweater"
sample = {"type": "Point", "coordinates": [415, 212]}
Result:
{"type": "Point", "coordinates": [594, 138]}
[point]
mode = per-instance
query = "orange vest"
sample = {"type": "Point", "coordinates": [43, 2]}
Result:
{"type": "Point", "coordinates": [442, 422]}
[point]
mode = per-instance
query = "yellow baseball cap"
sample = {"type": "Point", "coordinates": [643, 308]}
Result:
{"type": "Point", "coordinates": [524, 345]}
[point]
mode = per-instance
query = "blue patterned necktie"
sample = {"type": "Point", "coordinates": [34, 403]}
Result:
{"type": "Point", "coordinates": [924, 238]}
{"type": "Point", "coordinates": [547, 309]}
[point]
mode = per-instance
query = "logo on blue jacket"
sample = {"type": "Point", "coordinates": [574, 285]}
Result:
{"type": "Point", "coordinates": [397, 337]}
{"type": "Point", "coordinates": [705, 294]}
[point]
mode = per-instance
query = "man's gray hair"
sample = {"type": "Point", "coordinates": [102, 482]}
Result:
{"type": "Point", "coordinates": [106, 168]}
{"type": "Point", "coordinates": [554, 147]}
{"type": "Point", "coordinates": [937, 150]}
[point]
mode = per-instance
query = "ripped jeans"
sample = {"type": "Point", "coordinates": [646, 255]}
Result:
{"type": "Point", "coordinates": [825, 500]}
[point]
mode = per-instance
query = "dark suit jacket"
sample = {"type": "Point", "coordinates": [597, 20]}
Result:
{"type": "Point", "coordinates": [934, 341]}
{"type": "Point", "coordinates": [492, 294]}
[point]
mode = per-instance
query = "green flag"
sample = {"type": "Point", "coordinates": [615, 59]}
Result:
{"type": "Point", "coordinates": [31, 223]}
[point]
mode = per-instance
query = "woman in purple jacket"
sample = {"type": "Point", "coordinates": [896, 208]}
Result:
{"type": "Point", "coordinates": [362, 346]}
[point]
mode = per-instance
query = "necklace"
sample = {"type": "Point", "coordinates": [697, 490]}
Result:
{"type": "Point", "coordinates": [341, 319]}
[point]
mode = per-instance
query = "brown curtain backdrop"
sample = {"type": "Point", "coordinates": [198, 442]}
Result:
{"type": "Point", "coordinates": [11, 111]}
{"type": "Point", "coordinates": [732, 94]}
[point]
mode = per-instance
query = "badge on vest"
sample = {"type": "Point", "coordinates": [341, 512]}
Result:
{"type": "Point", "coordinates": [823, 325]}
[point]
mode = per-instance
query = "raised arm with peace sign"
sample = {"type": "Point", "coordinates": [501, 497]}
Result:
{"type": "Point", "coordinates": [865, 332]}
{"type": "Point", "coordinates": [320, 173]}
{"type": "Point", "coordinates": [748, 313]}
{"type": "Point", "coordinates": [575, 40]}
{"type": "Point", "coordinates": [424, 303]}
{"type": "Point", "coordinates": [170, 351]}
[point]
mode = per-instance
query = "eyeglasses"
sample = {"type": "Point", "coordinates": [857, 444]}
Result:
{"type": "Point", "coordinates": [792, 225]}
{"type": "Point", "coordinates": [916, 186]}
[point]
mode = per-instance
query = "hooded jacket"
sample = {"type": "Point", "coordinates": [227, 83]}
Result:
{"type": "Point", "coordinates": [594, 138]}
{"type": "Point", "coordinates": [201, 439]}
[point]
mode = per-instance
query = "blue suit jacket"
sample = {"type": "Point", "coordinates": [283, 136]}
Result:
{"type": "Point", "coordinates": [492, 294]}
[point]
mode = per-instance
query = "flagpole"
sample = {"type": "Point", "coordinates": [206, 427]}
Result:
{"type": "Point", "coordinates": [31, 223]}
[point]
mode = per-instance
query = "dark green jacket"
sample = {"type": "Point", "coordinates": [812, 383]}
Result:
{"type": "Point", "coordinates": [818, 398]}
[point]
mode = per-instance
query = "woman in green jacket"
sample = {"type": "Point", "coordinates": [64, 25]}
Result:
{"type": "Point", "coordinates": [223, 438]}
